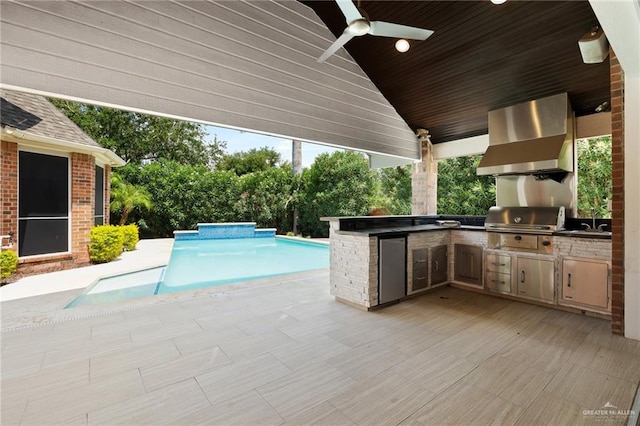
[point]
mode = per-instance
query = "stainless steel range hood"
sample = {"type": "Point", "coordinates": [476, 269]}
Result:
{"type": "Point", "coordinates": [534, 137]}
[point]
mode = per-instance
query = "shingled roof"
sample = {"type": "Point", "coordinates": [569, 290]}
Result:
{"type": "Point", "coordinates": [36, 115]}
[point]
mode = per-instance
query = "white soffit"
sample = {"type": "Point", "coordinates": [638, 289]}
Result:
{"type": "Point", "coordinates": [248, 65]}
{"type": "Point", "coordinates": [377, 161]}
{"type": "Point", "coordinates": [460, 148]}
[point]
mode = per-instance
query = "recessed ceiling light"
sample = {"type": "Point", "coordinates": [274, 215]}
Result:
{"type": "Point", "coordinates": [498, 1]}
{"type": "Point", "coordinates": [402, 45]}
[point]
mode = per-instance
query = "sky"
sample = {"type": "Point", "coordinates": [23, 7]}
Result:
{"type": "Point", "coordinates": [244, 141]}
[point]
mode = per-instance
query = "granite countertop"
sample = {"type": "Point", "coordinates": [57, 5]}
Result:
{"type": "Point", "coordinates": [407, 230]}
{"type": "Point", "coordinates": [376, 232]}
{"type": "Point", "coordinates": [583, 234]}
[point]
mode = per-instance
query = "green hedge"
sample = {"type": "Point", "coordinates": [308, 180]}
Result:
{"type": "Point", "coordinates": [130, 236]}
{"type": "Point", "coordinates": [8, 263]}
{"type": "Point", "coordinates": [106, 243]}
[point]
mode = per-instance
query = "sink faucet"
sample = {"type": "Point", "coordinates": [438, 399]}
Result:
{"type": "Point", "coordinates": [601, 227]}
{"type": "Point", "coordinates": [593, 218]}
{"type": "Point", "coordinates": [587, 227]}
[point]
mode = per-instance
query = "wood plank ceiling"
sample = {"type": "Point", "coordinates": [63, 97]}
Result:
{"type": "Point", "coordinates": [481, 57]}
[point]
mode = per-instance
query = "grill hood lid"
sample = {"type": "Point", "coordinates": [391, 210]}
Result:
{"type": "Point", "coordinates": [534, 137]}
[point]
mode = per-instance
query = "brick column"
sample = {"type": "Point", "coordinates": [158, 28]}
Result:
{"type": "Point", "coordinates": [424, 183]}
{"type": "Point", "coordinates": [9, 190]}
{"type": "Point", "coordinates": [617, 213]}
{"type": "Point", "coordinates": [83, 176]}
{"type": "Point", "coordinates": [107, 194]}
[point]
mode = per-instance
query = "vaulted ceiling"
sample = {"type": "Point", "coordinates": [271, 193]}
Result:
{"type": "Point", "coordinates": [481, 57]}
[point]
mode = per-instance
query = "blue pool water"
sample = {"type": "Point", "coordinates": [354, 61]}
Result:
{"type": "Point", "coordinates": [205, 263]}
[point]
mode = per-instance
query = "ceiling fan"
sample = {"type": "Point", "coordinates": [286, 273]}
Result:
{"type": "Point", "coordinates": [358, 24]}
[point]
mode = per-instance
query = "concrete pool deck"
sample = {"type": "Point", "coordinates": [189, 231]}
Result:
{"type": "Point", "coordinates": [148, 254]}
{"type": "Point", "coordinates": [41, 299]}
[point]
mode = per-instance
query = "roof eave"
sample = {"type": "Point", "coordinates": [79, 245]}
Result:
{"type": "Point", "coordinates": [104, 155]}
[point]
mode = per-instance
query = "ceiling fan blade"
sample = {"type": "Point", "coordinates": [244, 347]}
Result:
{"type": "Point", "coordinates": [349, 10]}
{"type": "Point", "coordinates": [387, 29]}
{"type": "Point", "coordinates": [341, 41]}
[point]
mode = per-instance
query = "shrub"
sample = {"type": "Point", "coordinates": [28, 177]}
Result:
{"type": "Point", "coordinates": [130, 236]}
{"type": "Point", "coordinates": [106, 243]}
{"type": "Point", "coordinates": [8, 263]}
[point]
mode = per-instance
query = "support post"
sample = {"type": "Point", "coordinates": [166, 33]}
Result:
{"type": "Point", "coordinates": [424, 183]}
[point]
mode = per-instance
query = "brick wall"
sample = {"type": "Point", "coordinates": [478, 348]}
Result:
{"type": "Point", "coordinates": [82, 204]}
{"type": "Point", "coordinates": [9, 190]}
{"type": "Point", "coordinates": [617, 213]}
{"type": "Point", "coordinates": [107, 193]}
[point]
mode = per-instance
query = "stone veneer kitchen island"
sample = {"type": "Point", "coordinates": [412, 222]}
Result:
{"type": "Point", "coordinates": [354, 255]}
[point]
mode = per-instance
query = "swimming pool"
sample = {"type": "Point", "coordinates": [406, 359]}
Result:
{"type": "Point", "coordinates": [204, 263]}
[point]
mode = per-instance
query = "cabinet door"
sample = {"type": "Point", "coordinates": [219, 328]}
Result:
{"type": "Point", "coordinates": [535, 278]}
{"type": "Point", "coordinates": [585, 282]}
{"type": "Point", "coordinates": [439, 265]}
{"type": "Point", "coordinates": [468, 264]}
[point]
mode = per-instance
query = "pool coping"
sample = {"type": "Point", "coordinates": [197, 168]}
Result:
{"type": "Point", "coordinates": [86, 289]}
{"type": "Point", "coordinates": [33, 318]}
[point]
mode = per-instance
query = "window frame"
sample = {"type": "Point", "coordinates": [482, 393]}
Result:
{"type": "Point", "coordinates": [102, 196]}
{"type": "Point", "coordinates": [68, 217]}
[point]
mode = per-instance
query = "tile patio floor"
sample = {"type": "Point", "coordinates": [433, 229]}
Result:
{"type": "Point", "coordinates": [285, 352]}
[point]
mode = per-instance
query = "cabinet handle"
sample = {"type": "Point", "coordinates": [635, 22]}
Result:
{"type": "Point", "coordinates": [517, 238]}
{"type": "Point", "coordinates": [436, 264]}
{"type": "Point", "coordinates": [420, 278]}
{"type": "Point", "coordinates": [569, 280]}
{"type": "Point", "coordinates": [521, 276]}
{"type": "Point", "coordinates": [499, 264]}
{"type": "Point", "coordinates": [498, 281]}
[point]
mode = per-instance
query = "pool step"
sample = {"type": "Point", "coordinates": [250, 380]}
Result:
{"type": "Point", "coordinates": [207, 231]}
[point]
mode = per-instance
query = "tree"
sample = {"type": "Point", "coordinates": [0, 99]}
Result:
{"type": "Point", "coordinates": [461, 191]}
{"type": "Point", "coordinates": [254, 160]}
{"type": "Point", "coordinates": [337, 184]}
{"type": "Point", "coordinates": [594, 176]}
{"type": "Point", "coordinates": [394, 189]}
{"type": "Point", "coordinates": [266, 198]}
{"type": "Point", "coordinates": [126, 197]}
{"type": "Point", "coordinates": [141, 137]}
{"type": "Point", "coordinates": [184, 195]}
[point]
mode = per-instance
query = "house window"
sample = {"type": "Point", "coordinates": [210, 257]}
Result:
{"type": "Point", "coordinates": [43, 207]}
{"type": "Point", "coordinates": [99, 197]}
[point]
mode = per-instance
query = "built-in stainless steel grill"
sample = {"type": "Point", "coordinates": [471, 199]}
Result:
{"type": "Point", "coordinates": [525, 220]}
{"type": "Point", "coordinates": [523, 228]}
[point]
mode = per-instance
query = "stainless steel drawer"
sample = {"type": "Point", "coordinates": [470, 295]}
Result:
{"type": "Point", "coordinates": [499, 263]}
{"type": "Point", "coordinates": [420, 257]}
{"type": "Point", "coordinates": [420, 279]}
{"type": "Point", "coordinates": [496, 281]}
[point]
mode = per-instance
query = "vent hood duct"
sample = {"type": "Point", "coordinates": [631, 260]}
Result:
{"type": "Point", "coordinates": [534, 137]}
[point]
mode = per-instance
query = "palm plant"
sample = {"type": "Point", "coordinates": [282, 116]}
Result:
{"type": "Point", "coordinates": [126, 197]}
